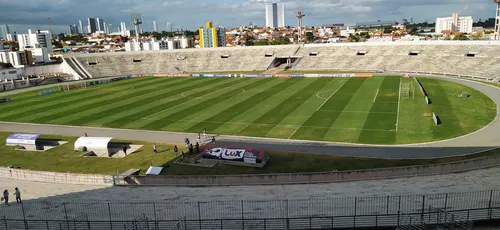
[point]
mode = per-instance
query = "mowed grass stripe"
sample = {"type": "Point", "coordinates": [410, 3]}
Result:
{"type": "Point", "coordinates": [281, 111]}
{"type": "Point", "coordinates": [158, 108]}
{"type": "Point", "coordinates": [353, 122]}
{"type": "Point", "coordinates": [325, 119]}
{"type": "Point", "coordinates": [128, 106]}
{"type": "Point", "coordinates": [20, 100]}
{"type": "Point", "coordinates": [202, 105]}
{"type": "Point", "coordinates": [239, 108]}
{"type": "Point", "coordinates": [443, 108]}
{"type": "Point", "coordinates": [51, 99]}
{"type": "Point", "coordinates": [86, 105]}
{"type": "Point", "coordinates": [201, 116]}
{"type": "Point", "coordinates": [106, 109]}
{"type": "Point", "coordinates": [415, 116]}
{"type": "Point", "coordinates": [377, 125]}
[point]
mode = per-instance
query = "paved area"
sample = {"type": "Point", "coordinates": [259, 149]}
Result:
{"type": "Point", "coordinates": [481, 140]}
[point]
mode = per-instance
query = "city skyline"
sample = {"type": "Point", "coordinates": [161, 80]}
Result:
{"type": "Point", "coordinates": [19, 16]}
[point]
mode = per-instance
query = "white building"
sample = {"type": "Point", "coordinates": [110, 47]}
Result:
{"type": "Point", "coordinates": [153, 44]}
{"type": "Point", "coordinates": [5, 31]}
{"type": "Point", "coordinates": [346, 32]}
{"type": "Point", "coordinates": [16, 58]}
{"type": "Point", "coordinates": [454, 24]}
{"type": "Point", "coordinates": [155, 26]}
{"type": "Point", "coordinates": [275, 15]}
{"type": "Point", "coordinates": [80, 24]}
{"type": "Point", "coordinates": [39, 43]}
{"type": "Point", "coordinates": [123, 29]}
{"type": "Point", "coordinates": [169, 27]}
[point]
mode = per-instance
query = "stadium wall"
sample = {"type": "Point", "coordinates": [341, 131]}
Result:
{"type": "Point", "coordinates": [51, 69]}
{"type": "Point", "coordinates": [55, 177]}
{"type": "Point", "coordinates": [320, 177]}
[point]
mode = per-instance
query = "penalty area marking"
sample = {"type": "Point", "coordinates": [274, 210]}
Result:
{"type": "Point", "coordinates": [375, 98]}
{"type": "Point", "coordinates": [330, 96]}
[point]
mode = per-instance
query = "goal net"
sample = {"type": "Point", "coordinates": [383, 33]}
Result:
{"type": "Point", "coordinates": [408, 90]}
{"type": "Point", "coordinates": [70, 86]}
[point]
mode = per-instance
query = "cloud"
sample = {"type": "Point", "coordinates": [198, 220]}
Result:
{"type": "Point", "coordinates": [191, 14]}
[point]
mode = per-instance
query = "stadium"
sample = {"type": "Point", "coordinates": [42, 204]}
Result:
{"type": "Point", "coordinates": [430, 106]}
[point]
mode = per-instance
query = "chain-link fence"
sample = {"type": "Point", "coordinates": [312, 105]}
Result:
{"type": "Point", "coordinates": [343, 212]}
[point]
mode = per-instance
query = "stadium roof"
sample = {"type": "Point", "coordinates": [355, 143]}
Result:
{"type": "Point", "coordinates": [375, 24]}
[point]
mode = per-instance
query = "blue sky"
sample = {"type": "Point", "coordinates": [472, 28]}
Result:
{"type": "Point", "coordinates": [190, 14]}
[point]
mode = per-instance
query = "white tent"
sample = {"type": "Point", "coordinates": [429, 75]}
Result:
{"type": "Point", "coordinates": [154, 170]}
{"type": "Point", "coordinates": [95, 144]}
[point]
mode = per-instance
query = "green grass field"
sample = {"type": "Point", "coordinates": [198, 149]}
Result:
{"type": "Point", "coordinates": [357, 110]}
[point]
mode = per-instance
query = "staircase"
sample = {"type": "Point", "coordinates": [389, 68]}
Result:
{"type": "Point", "coordinates": [86, 74]}
{"type": "Point", "coordinates": [276, 70]}
{"type": "Point", "coordinates": [73, 66]}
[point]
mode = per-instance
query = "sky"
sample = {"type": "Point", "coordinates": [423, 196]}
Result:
{"type": "Point", "coordinates": [22, 15]}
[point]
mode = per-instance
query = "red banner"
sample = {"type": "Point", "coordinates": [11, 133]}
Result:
{"type": "Point", "coordinates": [363, 75]}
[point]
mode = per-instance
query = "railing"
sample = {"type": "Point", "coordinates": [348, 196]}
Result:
{"type": "Point", "coordinates": [343, 212]}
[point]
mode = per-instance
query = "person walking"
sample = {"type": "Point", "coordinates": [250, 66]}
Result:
{"type": "Point", "coordinates": [125, 149]}
{"type": "Point", "coordinates": [205, 132]}
{"type": "Point", "coordinates": [199, 137]}
{"type": "Point", "coordinates": [176, 150]}
{"type": "Point", "coordinates": [213, 140]}
{"type": "Point", "coordinates": [190, 148]}
{"type": "Point", "coordinates": [154, 148]}
{"type": "Point", "coordinates": [197, 147]}
{"type": "Point", "coordinates": [5, 197]}
{"type": "Point", "coordinates": [18, 195]}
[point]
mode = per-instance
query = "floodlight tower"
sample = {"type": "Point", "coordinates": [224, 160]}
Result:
{"type": "Point", "coordinates": [300, 14]}
{"type": "Point", "coordinates": [497, 20]}
{"type": "Point", "coordinates": [137, 21]}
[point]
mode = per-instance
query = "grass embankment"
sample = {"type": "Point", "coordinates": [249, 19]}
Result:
{"type": "Point", "coordinates": [64, 159]}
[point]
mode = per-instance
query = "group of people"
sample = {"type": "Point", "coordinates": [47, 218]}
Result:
{"type": "Point", "coordinates": [5, 196]}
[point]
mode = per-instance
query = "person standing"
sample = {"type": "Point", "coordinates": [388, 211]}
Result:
{"type": "Point", "coordinates": [176, 150]}
{"type": "Point", "coordinates": [213, 140]}
{"type": "Point", "coordinates": [5, 197]}
{"type": "Point", "coordinates": [125, 149]}
{"type": "Point", "coordinates": [197, 147]}
{"type": "Point", "coordinates": [154, 148]}
{"type": "Point", "coordinates": [18, 195]}
{"type": "Point", "coordinates": [190, 148]}
{"type": "Point", "coordinates": [199, 137]}
{"type": "Point", "coordinates": [86, 135]}
{"type": "Point", "coordinates": [205, 132]}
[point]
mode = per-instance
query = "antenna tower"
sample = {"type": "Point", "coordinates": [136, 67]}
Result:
{"type": "Point", "coordinates": [299, 13]}
{"type": "Point", "coordinates": [497, 24]}
{"type": "Point", "coordinates": [137, 21]}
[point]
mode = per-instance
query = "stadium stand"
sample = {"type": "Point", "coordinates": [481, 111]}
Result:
{"type": "Point", "coordinates": [464, 58]}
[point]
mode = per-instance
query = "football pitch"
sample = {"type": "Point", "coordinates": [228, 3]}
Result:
{"type": "Point", "coordinates": [377, 110]}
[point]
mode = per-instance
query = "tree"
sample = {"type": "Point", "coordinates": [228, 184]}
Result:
{"type": "Point", "coordinates": [388, 29]}
{"type": "Point", "coordinates": [461, 36]}
{"type": "Point", "coordinates": [353, 38]}
{"type": "Point", "coordinates": [310, 36]}
{"type": "Point", "coordinates": [286, 40]}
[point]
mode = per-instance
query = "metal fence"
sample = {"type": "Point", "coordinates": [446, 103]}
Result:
{"type": "Point", "coordinates": [317, 213]}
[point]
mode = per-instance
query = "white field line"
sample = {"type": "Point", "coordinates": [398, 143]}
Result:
{"type": "Point", "coordinates": [331, 95]}
{"type": "Point", "coordinates": [375, 98]}
{"type": "Point", "coordinates": [204, 96]}
{"type": "Point", "coordinates": [399, 99]}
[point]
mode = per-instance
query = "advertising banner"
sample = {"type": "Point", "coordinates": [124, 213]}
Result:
{"type": "Point", "coordinates": [282, 75]}
{"type": "Point", "coordinates": [222, 75]}
{"type": "Point", "coordinates": [406, 75]}
{"type": "Point", "coordinates": [45, 92]}
{"type": "Point", "coordinates": [181, 75]}
{"type": "Point", "coordinates": [161, 75]}
{"type": "Point", "coordinates": [247, 155]}
{"type": "Point", "coordinates": [297, 75]}
{"type": "Point", "coordinates": [3, 100]}
{"type": "Point", "coordinates": [196, 75]}
{"type": "Point", "coordinates": [250, 75]}
{"type": "Point", "coordinates": [312, 75]}
{"type": "Point", "coordinates": [363, 75]}
{"type": "Point", "coordinates": [22, 139]}
{"type": "Point", "coordinates": [120, 78]}
{"type": "Point", "coordinates": [337, 75]}
{"type": "Point", "coordinates": [435, 118]}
